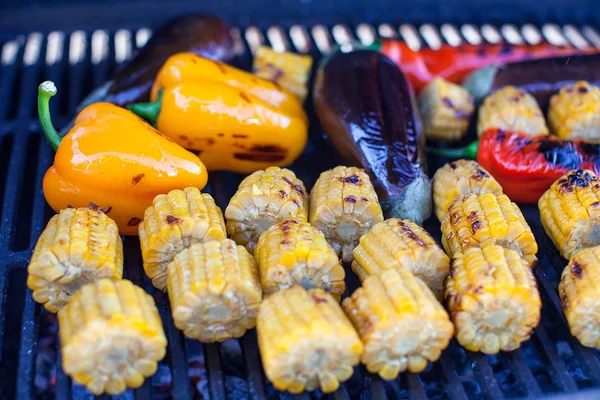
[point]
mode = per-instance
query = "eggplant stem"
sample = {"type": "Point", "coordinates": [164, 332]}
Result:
{"type": "Point", "coordinates": [469, 151]}
{"type": "Point", "coordinates": [46, 90]}
{"type": "Point", "coordinates": [150, 110]}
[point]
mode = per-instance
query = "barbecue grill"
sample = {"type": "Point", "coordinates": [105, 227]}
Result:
{"type": "Point", "coordinates": [79, 56]}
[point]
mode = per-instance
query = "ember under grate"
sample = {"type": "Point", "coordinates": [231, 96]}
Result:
{"type": "Point", "coordinates": [550, 364]}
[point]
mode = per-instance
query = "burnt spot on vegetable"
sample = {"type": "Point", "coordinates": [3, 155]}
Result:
{"type": "Point", "coordinates": [317, 298]}
{"type": "Point", "coordinates": [299, 189]}
{"type": "Point", "coordinates": [172, 220]}
{"type": "Point", "coordinates": [136, 179]}
{"type": "Point", "coordinates": [364, 199]}
{"type": "Point", "coordinates": [296, 203]}
{"type": "Point", "coordinates": [475, 226]}
{"type": "Point", "coordinates": [350, 199]}
{"type": "Point", "coordinates": [96, 207]}
{"type": "Point", "coordinates": [452, 165]}
{"type": "Point", "coordinates": [457, 299]}
{"type": "Point", "coordinates": [564, 301]}
{"type": "Point", "coordinates": [263, 153]}
{"type": "Point", "coordinates": [447, 102]}
{"type": "Point", "coordinates": [500, 135]}
{"type": "Point", "coordinates": [286, 226]}
{"type": "Point", "coordinates": [582, 89]}
{"type": "Point", "coordinates": [286, 241]}
{"type": "Point", "coordinates": [283, 194]}
{"type": "Point", "coordinates": [576, 269]}
{"type": "Point", "coordinates": [478, 289]}
{"type": "Point", "coordinates": [353, 179]}
{"type": "Point", "coordinates": [134, 221]}
{"type": "Point", "coordinates": [220, 134]}
{"type": "Point", "coordinates": [239, 136]}
{"type": "Point", "coordinates": [221, 67]}
{"type": "Point", "coordinates": [69, 206]}
{"type": "Point", "coordinates": [563, 153]}
{"type": "Point", "coordinates": [287, 180]}
{"type": "Point", "coordinates": [245, 97]}
{"type": "Point", "coordinates": [595, 206]}
{"type": "Point", "coordinates": [454, 218]}
{"type": "Point", "coordinates": [461, 114]}
{"type": "Point", "coordinates": [452, 272]}
{"type": "Point", "coordinates": [481, 174]}
{"type": "Point", "coordinates": [183, 137]}
{"type": "Point", "coordinates": [565, 188]}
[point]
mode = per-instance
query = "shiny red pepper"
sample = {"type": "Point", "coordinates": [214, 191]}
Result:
{"type": "Point", "coordinates": [527, 166]}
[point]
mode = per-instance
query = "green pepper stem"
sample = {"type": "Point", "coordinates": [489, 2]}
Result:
{"type": "Point", "coordinates": [469, 151]}
{"type": "Point", "coordinates": [149, 111]}
{"type": "Point", "coordinates": [46, 90]}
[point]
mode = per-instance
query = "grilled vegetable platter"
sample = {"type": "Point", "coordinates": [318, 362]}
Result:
{"type": "Point", "coordinates": [277, 258]}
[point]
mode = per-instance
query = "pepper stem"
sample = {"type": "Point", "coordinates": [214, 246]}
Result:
{"type": "Point", "coordinates": [150, 110]}
{"type": "Point", "coordinates": [46, 90]}
{"type": "Point", "coordinates": [469, 151]}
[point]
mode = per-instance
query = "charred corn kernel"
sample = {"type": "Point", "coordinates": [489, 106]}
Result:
{"type": "Point", "coordinates": [570, 212]}
{"type": "Point", "coordinates": [579, 295]}
{"type": "Point", "coordinates": [493, 299]}
{"type": "Point", "coordinates": [174, 222]}
{"type": "Point", "coordinates": [294, 252]}
{"type": "Point", "coordinates": [344, 206]}
{"type": "Point", "coordinates": [214, 291]}
{"type": "Point", "coordinates": [575, 112]}
{"type": "Point", "coordinates": [458, 178]}
{"type": "Point", "coordinates": [477, 219]}
{"type": "Point", "coordinates": [263, 199]}
{"type": "Point", "coordinates": [400, 322]}
{"type": "Point", "coordinates": [111, 336]}
{"type": "Point", "coordinates": [305, 340]}
{"type": "Point", "coordinates": [513, 109]}
{"type": "Point", "coordinates": [79, 245]}
{"type": "Point", "coordinates": [446, 109]}
{"type": "Point", "coordinates": [397, 243]}
{"type": "Point", "coordinates": [289, 70]}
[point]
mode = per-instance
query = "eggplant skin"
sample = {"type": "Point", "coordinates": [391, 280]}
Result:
{"type": "Point", "coordinates": [368, 111]}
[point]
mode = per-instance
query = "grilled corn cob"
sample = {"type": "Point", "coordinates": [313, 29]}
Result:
{"type": "Point", "coordinates": [263, 199]}
{"type": "Point", "coordinates": [575, 112]}
{"type": "Point", "coordinates": [214, 291]}
{"type": "Point", "coordinates": [294, 252]}
{"type": "Point", "coordinates": [174, 222]}
{"type": "Point", "coordinates": [397, 244]}
{"type": "Point", "coordinates": [477, 219]}
{"type": "Point", "coordinates": [111, 336]}
{"type": "Point", "coordinates": [570, 212]}
{"type": "Point", "coordinates": [514, 109]}
{"type": "Point", "coordinates": [446, 109]}
{"type": "Point", "coordinates": [344, 206]}
{"type": "Point", "coordinates": [579, 295]}
{"type": "Point", "coordinates": [493, 299]}
{"type": "Point", "coordinates": [306, 341]}
{"type": "Point", "coordinates": [400, 322]}
{"type": "Point", "coordinates": [289, 70]}
{"type": "Point", "coordinates": [458, 178]}
{"type": "Point", "coordinates": [79, 245]}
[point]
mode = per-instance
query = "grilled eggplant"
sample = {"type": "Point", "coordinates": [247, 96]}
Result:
{"type": "Point", "coordinates": [368, 111]}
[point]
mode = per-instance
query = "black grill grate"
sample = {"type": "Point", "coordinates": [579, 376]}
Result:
{"type": "Point", "coordinates": [551, 363]}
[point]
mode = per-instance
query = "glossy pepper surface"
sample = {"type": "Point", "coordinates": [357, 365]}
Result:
{"type": "Point", "coordinates": [233, 119]}
{"type": "Point", "coordinates": [113, 161]}
{"type": "Point", "coordinates": [527, 166]}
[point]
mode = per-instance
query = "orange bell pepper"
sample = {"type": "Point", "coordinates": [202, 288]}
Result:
{"type": "Point", "coordinates": [114, 161]}
{"type": "Point", "coordinates": [233, 119]}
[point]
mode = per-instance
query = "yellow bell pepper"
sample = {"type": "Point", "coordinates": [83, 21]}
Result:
{"type": "Point", "coordinates": [233, 119]}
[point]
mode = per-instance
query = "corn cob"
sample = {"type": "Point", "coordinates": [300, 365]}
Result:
{"type": "Point", "coordinates": [400, 322]}
{"type": "Point", "coordinates": [446, 109]}
{"type": "Point", "coordinates": [344, 206]}
{"type": "Point", "coordinates": [570, 212]}
{"type": "Point", "coordinates": [79, 245]}
{"type": "Point", "coordinates": [306, 341]}
{"type": "Point", "coordinates": [174, 222]}
{"type": "Point", "coordinates": [214, 291]}
{"type": "Point", "coordinates": [263, 199]}
{"type": "Point", "coordinates": [397, 244]}
{"type": "Point", "coordinates": [294, 252]}
{"type": "Point", "coordinates": [513, 109]}
{"type": "Point", "coordinates": [291, 71]}
{"type": "Point", "coordinates": [579, 295]}
{"type": "Point", "coordinates": [111, 336]}
{"type": "Point", "coordinates": [575, 112]}
{"type": "Point", "coordinates": [458, 178]}
{"type": "Point", "coordinates": [493, 299]}
{"type": "Point", "coordinates": [477, 219]}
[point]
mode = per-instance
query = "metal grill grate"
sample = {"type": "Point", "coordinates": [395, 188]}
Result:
{"type": "Point", "coordinates": [551, 363]}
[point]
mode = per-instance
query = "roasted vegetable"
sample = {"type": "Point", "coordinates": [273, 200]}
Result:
{"type": "Point", "coordinates": [263, 199]}
{"type": "Point", "coordinates": [294, 252]}
{"type": "Point", "coordinates": [493, 299]}
{"type": "Point", "coordinates": [400, 322]}
{"type": "Point", "coordinates": [514, 109]}
{"type": "Point", "coordinates": [344, 206]}
{"type": "Point", "coordinates": [114, 160]}
{"type": "Point", "coordinates": [365, 106]}
{"type": "Point", "coordinates": [111, 336]}
{"type": "Point", "coordinates": [458, 178]}
{"type": "Point", "coordinates": [574, 112]}
{"type": "Point", "coordinates": [570, 212]}
{"type": "Point", "coordinates": [79, 245]}
{"type": "Point", "coordinates": [214, 290]}
{"type": "Point", "coordinates": [290, 70]}
{"type": "Point", "coordinates": [527, 166]}
{"type": "Point", "coordinates": [398, 244]}
{"type": "Point", "coordinates": [446, 109]}
{"type": "Point", "coordinates": [579, 296]}
{"type": "Point", "coordinates": [235, 120]}
{"type": "Point", "coordinates": [488, 217]}
{"type": "Point", "coordinates": [174, 222]}
{"type": "Point", "coordinates": [305, 340]}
